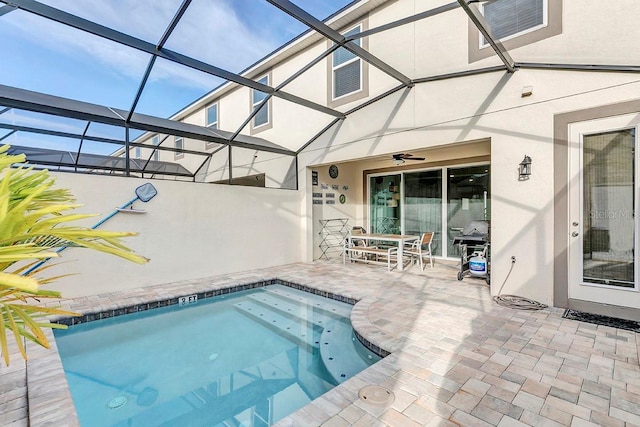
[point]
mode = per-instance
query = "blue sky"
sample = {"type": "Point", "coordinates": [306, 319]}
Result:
{"type": "Point", "coordinates": [48, 57]}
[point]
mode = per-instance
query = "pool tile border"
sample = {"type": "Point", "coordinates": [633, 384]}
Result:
{"type": "Point", "coordinates": [135, 308]}
{"type": "Point", "coordinates": [140, 307]}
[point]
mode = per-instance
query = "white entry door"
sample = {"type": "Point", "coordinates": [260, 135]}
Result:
{"type": "Point", "coordinates": [603, 199]}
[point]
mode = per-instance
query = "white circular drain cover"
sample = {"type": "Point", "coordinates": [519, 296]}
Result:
{"type": "Point", "coordinates": [376, 395]}
{"type": "Point", "coordinates": [117, 402]}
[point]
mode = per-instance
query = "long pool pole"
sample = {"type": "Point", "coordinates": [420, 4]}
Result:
{"type": "Point", "coordinates": [98, 224]}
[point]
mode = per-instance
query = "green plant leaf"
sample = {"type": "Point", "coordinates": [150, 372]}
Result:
{"type": "Point", "coordinates": [35, 220]}
{"type": "Point", "coordinates": [16, 331]}
{"type": "Point", "coordinates": [28, 321]}
{"type": "Point", "coordinates": [4, 345]}
{"type": "Point", "coordinates": [26, 283]}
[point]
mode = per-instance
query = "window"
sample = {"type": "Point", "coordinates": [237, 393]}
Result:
{"type": "Point", "coordinates": [178, 144]}
{"type": "Point", "coordinates": [347, 69]}
{"type": "Point", "coordinates": [211, 121]}
{"type": "Point", "coordinates": [156, 141]}
{"type": "Point", "coordinates": [262, 117]}
{"type": "Point", "coordinates": [516, 23]}
{"type": "Point", "coordinates": [212, 116]}
{"type": "Point", "coordinates": [608, 193]}
{"type": "Point", "coordinates": [138, 153]}
{"type": "Point", "coordinates": [510, 18]}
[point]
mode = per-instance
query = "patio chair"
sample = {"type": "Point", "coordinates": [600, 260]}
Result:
{"type": "Point", "coordinates": [358, 230]}
{"type": "Point", "coordinates": [357, 243]}
{"type": "Point", "coordinates": [421, 248]}
{"type": "Point", "coordinates": [361, 250]}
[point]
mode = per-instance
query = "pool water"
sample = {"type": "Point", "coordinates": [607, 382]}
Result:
{"type": "Point", "coordinates": [243, 359]}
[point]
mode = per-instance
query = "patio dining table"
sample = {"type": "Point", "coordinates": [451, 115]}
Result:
{"type": "Point", "coordinates": [400, 239]}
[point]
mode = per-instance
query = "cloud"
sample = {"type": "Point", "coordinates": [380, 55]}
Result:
{"type": "Point", "coordinates": [166, 71]}
{"type": "Point", "coordinates": [42, 141]}
{"type": "Point", "coordinates": [143, 19]}
{"type": "Point", "coordinates": [212, 32]}
{"type": "Point", "coordinates": [42, 121]}
{"type": "Point", "coordinates": [74, 46]}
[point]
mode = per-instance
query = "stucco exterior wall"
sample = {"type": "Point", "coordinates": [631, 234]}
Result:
{"type": "Point", "coordinates": [492, 108]}
{"type": "Point", "coordinates": [189, 230]}
{"type": "Point", "coordinates": [348, 184]}
{"type": "Point", "coordinates": [592, 33]}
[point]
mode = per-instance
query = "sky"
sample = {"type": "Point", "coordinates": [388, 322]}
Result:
{"type": "Point", "coordinates": [48, 57]}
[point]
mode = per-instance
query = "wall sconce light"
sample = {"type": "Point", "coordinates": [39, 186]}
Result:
{"type": "Point", "coordinates": [524, 168]}
{"type": "Point", "coordinates": [398, 162]}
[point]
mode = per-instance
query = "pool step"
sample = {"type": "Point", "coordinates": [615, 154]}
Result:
{"type": "Point", "coordinates": [333, 336]}
{"type": "Point", "coordinates": [301, 332]}
{"type": "Point", "coordinates": [322, 304]}
{"type": "Point", "coordinates": [293, 309]}
{"type": "Point", "coordinates": [284, 307]}
{"type": "Point", "coordinates": [337, 350]}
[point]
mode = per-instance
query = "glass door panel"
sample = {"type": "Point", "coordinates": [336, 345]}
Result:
{"type": "Point", "coordinates": [384, 202]}
{"type": "Point", "coordinates": [608, 177]}
{"type": "Point", "coordinates": [423, 205]}
{"type": "Point", "coordinates": [468, 199]}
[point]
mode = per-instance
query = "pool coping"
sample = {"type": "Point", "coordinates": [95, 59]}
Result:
{"type": "Point", "coordinates": [49, 397]}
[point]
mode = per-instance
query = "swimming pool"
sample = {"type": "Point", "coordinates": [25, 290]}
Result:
{"type": "Point", "coordinates": [248, 358]}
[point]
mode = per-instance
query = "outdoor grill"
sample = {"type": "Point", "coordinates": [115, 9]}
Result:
{"type": "Point", "coordinates": [474, 243]}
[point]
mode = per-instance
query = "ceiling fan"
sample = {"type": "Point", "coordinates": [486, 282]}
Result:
{"type": "Point", "coordinates": [399, 159]}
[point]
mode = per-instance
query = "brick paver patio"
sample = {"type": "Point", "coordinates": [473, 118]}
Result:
{"type": "Point", "coordinates": [457, 358]}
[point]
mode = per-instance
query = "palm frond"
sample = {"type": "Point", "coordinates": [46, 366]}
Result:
{"type": "Point", "coordinates": [36, 220]}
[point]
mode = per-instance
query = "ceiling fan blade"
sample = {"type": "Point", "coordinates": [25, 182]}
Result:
{"type": "Point", "coordinates": [405, 156]}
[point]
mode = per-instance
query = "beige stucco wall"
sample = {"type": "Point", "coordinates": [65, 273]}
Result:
{"type": "Point", "coordinates": [348, 184]}
{"type": "Point", "coordinates": [188, 231]}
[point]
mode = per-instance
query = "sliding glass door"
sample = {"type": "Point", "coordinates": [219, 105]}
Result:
{"type": "Point", "coordinates": [467, 200]}
{"type": "Point", "coordinates": [423, 205]}
{"type": "Point", "coordinates": [442, 200]}
{"type": "Point", "coordinates": [384, 202]}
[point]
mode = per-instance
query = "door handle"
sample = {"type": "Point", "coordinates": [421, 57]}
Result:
{"type": "Point", "coordinates": [575, 234]}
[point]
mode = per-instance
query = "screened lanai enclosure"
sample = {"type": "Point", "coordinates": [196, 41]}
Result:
{"type": "Point", "coordinates": [411, 119]}
{"type": "Point", "coordinates": [104, 87]}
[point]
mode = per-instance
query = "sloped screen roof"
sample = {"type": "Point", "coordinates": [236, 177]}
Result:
{"type": "Point", "coordinates": [124, 68]}
{"type": "Point", "coordinates": [132, 64]}
{"type": "Point", "coordinates": [96, 162]}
